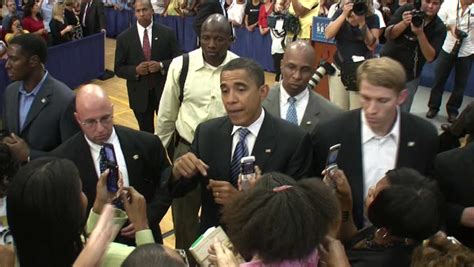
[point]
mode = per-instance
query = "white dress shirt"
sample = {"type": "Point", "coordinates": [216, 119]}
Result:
{"type": "Point", "coordinates": [254, 129]}
{"type": "Point", "coordinates": [141, 32]}
{"type": "Point", "coordinates": [301, 103]}
{"type": "Point", "coordinates": [379, 152]}
{"type": "Point", "coordinates": [95, 153]}
{"type": "Point", "coordinates": [447, 14]}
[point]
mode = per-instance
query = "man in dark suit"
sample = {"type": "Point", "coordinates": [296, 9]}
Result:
{"type": "Point", "coordinates": [454, 170]}
{"type": "Point", "coordinates": [143, 62]}
{"type": "Point", "coordinates": [291, 99]}
{"type": "Point", "coordinates": [219, 144]}
{"type": "Point", "coordinates": [378, 137]}
{"type": "Point", "coordinates": [92, 17]}
{"type": "Point", "coordinates": [37, 109]}
{"type": "Point", "coordinates": [141, 158]}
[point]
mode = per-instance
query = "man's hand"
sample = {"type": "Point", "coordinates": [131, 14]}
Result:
{"type": "Point", "coordinates": [467, 217]}
{"type": "Point", "coordinates": [135, 206]}
{"type": "Point", "coordinates": [347, 8]}
{"type": "Point", "coordinates": [189, 165]}
{"type": "Point", "coordinates": [18, 147]}
{"type": "Point", "coordinates": [417, 30]}
{"type": "Point", "coordinates": [142, 68]}
{"type": "Point", "coordinates": [222, 191]}
{"type": "Point", "coordinates": [406, 18]}
{"type": "Point", "coordinates": [154, 66]}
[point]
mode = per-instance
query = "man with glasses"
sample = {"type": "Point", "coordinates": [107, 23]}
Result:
{"type": "Point", "coordinates": [140, 156]}
{"type": "Point", "coordinates": [37, 109]}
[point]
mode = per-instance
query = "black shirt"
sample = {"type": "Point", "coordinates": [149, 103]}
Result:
{"type": "Point", "coordinates": [70, 17]}
{"type": "Point", "coordinates": [252, 12]}
{"type": "Point", "coordinates": [405, 48]}
{"type": "Point", "coordinates": [349, 39]}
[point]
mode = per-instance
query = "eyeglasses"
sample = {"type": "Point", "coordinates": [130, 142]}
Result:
{"type": "Point", "coordinates": [92, 123]}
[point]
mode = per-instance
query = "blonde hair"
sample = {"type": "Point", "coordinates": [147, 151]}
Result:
{"type": "Point", "coordinates": [58, 11]}
{"type": "Point", "coordinates": [384, 72]}
{"type": "Point", "coordinates": [69, 3]}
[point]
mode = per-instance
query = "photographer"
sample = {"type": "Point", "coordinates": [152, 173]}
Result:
{"type": "Point", "coordinates": [356, 30]}
{"type": "Point", "coordinates": [414, 36]}
{"type": "Point", "coordinates": [304, 10]}
{"type": "Point", "coordinates": [456, 53]}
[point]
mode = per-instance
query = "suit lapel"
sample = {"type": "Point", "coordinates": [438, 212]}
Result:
{"type": "Point", "coordinates": [155, 42]}
{"type": "Point", "coordinates": [14, 117]}
{"type": "Point", "coordinates": [265, 142]}
{"type": "Point", "coordinates": [273, 101]}
{"type": "Point", "coordinates": [130, 154]}
{"type": "Point", "coordinates": [41, 100]}
{"type": "Point", "coordinates": [223, 148]}
{"type": "Point", "coordinates": [406, 143]}
{"type": "Point", "coordinates": [137, 44]}
{"type": "Point", "coordinates": [310, 117]}
{"type": "Point", "coordinates": [86, 167]}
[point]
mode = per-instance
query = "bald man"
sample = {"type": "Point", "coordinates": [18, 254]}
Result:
{"type": "Point", "coordinates": [140, 156]}
{"type": "Point", "coordinates": [201, 102]}
{"type": "Point", "coordinates": [291, 99]}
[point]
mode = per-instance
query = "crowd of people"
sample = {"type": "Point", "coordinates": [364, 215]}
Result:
{"type": "Point", "coordinates": [327, 186]}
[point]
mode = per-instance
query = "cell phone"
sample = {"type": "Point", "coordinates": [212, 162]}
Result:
{"type": "Point", "coordinates": [331, 162]}
{"type": "Point", "coordinates": [111, 161]}
{"type": "Point", "coordinates": [247, 169]}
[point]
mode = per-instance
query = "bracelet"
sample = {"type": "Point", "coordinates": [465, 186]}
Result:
{"type": "Point", "coordinates": [345, 216]}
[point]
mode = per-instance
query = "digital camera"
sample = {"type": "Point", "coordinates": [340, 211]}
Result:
{"type": "Point", "coordinates": [359, 8]}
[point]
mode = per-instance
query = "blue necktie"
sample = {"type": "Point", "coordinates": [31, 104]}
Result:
{"type": "Point", "coordinates": [103, 161]}
{"type": "Point", "coordinates": [291, 113]}
{"type": "Point", "coordinates": [240, 151]}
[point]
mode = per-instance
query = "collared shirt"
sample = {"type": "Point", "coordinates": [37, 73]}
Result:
{"type": "Point", "coordinates": [26, 99]}
{"type": "Point", "coordinates": [301, 103]}
{"type": "Point", "coordinates": [201, 97]}
{"type": "Point", "coordinates": [447, 14]}
{"type": "Point", "coordinates": [141, 32]}
{"type": "Point", "coordinates": [379, 152]}
{"type": "Point", "coordinates": [95, 153]}
{"type": "Point", "coordinates": [254, 129]}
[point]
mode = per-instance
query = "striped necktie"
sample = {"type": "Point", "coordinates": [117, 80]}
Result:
{"type": "Point", "coordinates": [240, 151]}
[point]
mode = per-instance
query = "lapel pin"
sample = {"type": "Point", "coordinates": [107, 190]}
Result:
{"type": "Point", "coordinates": [268, 150]}
{"type": "Point", "coordinates": [43, 100]}
{"type": "Point", "coordinates": [411, 144]}
{"type": "Point", "coordinates": [308, 123]}
{"type": "Point", "coordinates": [156, 38]}
{"type": "Point", "coordinates": [135, 157]}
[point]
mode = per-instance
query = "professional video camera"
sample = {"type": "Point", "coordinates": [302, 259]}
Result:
{"type": "Point", "coordinates": [461, 35]}
{"type": "Point", "coordinates": [417, 15]}
{"type": "Point", "coordinates": [288, 22]}
{"type": "Point", "coordinates": [359, 8]}
{"type": "Point", "coordinates": [323, 69]}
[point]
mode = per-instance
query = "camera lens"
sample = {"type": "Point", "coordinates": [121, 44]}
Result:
{"type": "Point", "coordinates": [360, 8]}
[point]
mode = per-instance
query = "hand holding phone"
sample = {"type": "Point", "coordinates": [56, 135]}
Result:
{"type": "Point", "coordinates": [112, 165]}
{"type": "Point", "coordinates": [247, 172]}
{"type": "Point", "coordinates": [331, 165]}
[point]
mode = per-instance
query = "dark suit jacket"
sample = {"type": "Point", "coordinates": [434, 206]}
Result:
{"type": "Point", "coordinates": [50, 120]}
{"type": "Point", "coordinates": [95, 17]}
{"type": "Point", "coordinates": [207, 8]}
{"type": "Point", "coordinates": [146, 162]}
{"type": "Point", "coordinates": [318, 108]}
{"type": "Point", "coordinates": [454, 170]}
{"type": "Point", "coordinates": [417, 149]}
{"type": "Point", "coordinates": [129, 53]}
{"type": "Point", "coordinates": [280, 146]}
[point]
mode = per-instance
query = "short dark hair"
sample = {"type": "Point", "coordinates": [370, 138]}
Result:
{"type": "Point", "coordinates": [9, 166]}
{"type": "Point", "coordinates": [151, 255]}
{"type": "Point", "coordinates": [408, 210]}
{"type": "Point", "coordinates": [31, 45]}
{"type": "Point", "coordinates": [250, 223]}
{"type": "Point", "coordinates": [253, 69]}
{"type": "Point", "coordinates": [45, 213]}
{"type": "Point", "coordinates": [271, 180]}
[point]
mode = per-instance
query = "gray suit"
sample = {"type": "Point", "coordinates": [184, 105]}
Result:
{"type": "Point", "coordinates": [50, 120]}
{"type": "Point", "coordinates": [318, 108]}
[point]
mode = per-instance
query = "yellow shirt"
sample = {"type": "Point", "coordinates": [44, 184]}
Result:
{"type": "Point", "coordinates": [307, 20]}
{"type": "Point", "coordinates": [201, 98]}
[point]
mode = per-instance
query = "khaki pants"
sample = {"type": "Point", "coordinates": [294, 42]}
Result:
{"type": "Point", "coordinates": [185, 210]}
{"type": "Point", "coordinates": [338, 94]}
